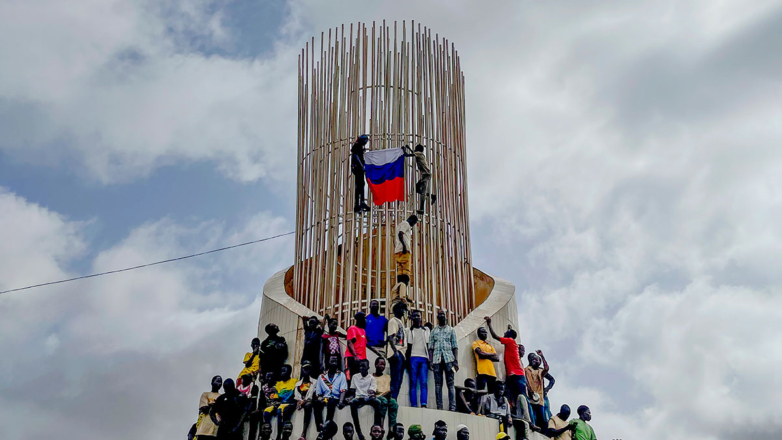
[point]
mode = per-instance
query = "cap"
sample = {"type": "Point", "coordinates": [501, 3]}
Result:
{"type": "Point", "coordinates": [460, 427]}
{"type": "Point", "coordinates": [306, 363]}
{"type": "Point", "coordinates": [360, 314]}
{"type": "Point", "coordinates": [414, 429]}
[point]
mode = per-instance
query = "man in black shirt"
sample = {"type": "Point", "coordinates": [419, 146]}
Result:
{"type": "Point", "coordinates": [274, 349]}
{"type": "Point", "coordinates": [359, 173]}
{"type": "Point", "coordinates": [313, 335]}
{"type": "Point", "coordinates": [232, 408]}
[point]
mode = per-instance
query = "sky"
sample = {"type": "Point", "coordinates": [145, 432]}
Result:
{"type": "Point", "coordinates": [624, 170]}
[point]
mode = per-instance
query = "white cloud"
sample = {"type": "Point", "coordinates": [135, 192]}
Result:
{"type": "Point", "coordinates": [115, 89]}
{"type": "Point", "coordinates": [103, 346]}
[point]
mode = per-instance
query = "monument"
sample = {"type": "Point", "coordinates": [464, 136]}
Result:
{"type": "Point", "coordinates": [400, 85]}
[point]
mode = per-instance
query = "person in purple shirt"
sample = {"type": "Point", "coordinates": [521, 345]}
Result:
{"type": "Point", "coordinates": [376, 326]}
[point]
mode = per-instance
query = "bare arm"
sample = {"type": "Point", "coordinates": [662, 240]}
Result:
{"type": "Point", "coordinates": [484, 355]}
{"type": "Point", "coordinates": [491, 330]}
{"type": "Point", "coordinates": [545, 363]}
{"type": "Point", "coordinates": [550, 382]}
{"type": "Point", "coordinates": [466, 404]}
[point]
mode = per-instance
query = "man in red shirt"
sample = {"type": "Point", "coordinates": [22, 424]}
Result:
{"type": "Point", "coordinates": [516, 381]}
{"type": "Point", "coordinates": [357, 344]}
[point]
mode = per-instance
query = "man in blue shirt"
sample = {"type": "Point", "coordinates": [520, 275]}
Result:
{"type": "Point", "coordinates": [330, 391]}
{"type": "Point", "coordinates": [376, 326]}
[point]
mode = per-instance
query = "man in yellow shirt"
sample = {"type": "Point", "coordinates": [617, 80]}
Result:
{"type": "Point", "coordinates": [485, 356]}
{"type": "Point", "coordinates": [252, 361]}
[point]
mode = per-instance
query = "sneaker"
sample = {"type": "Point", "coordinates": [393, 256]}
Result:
{"type": "Point", "coordinates": [365, 208]}
{"type": "Point", "coordinates": [420, 212]}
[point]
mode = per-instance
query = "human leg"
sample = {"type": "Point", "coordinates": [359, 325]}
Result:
{"type": "Point", "coordinates": [305, 423]}
{"type": "Point", "coordinates": [331, 407]}
{"type": "Point", "coordinates": [423, 380]}
{"type": "Point", "coordinates": [451, 388]}
{"type": "Point", "coordinates": [382, 409]}
{"type": "Point", "coordinates": [393, 409]}
{"type": "Point", "coordinates": [414, 361]}
{"type": "Point", "coordinates": [355, 405]}
{"type": "Point", "coordinates": [397, 373]}
{"type": "Point", "coordinates": [438, 370]}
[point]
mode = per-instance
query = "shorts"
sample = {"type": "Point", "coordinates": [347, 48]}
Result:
{"type": "Point", "coordinates": [402, 263]}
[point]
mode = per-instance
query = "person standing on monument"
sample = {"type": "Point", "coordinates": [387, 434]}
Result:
{"type": "Point", "coordinates": [274, 350]}
{"type": "Point", "coordinates": [535, 374]}
{"type": "Point", "coordinates": [313, 337]}
{"type": "Point", "coordinates": [422, 186]}
{"type": "Point", "coordinates": [330, 343]}
{"type": "Point", "coordinates": [418, 355]}
{"type": "Point", "coordinates": [376, 325]}
{"type": "Point", "coordinates": [387, 403]}
{"type": "Point", "coordinates": [515, 381]}
{"type": "Point", "coordinates": [252, 361]}
{"type": "Point", "coordinates": [558, 426]}
{"type": "Point", "coordinates": [397, 346]}
{"type": "Point", "coordinates": [403, 242]}
{"type": "Point", "coordinates": [205, 428]}
{"type": "Point", "coordinates": [443, 358]}
{"type": "Point", "coordinates": [229, 412]}
{"type": "Point", "coordinates": [304, 394]}
{"type": "Point", "coordinates": [359, 172]}
{"type": "Point", "coordinates": [357, 344]}
{"type": "Point", "coordinates": [485, 356]}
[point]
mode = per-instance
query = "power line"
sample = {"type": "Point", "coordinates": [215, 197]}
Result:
{"type": "Point", "coordinates": [148, 264]}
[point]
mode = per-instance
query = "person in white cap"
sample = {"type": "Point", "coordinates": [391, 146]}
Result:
{"type": "Point", "coordinates": [462, 433]}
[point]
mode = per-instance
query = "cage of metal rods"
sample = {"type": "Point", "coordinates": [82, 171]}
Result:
{"type": "Point", "coordinates": [402, 86]}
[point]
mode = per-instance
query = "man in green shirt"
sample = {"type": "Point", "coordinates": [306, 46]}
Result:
{"type": "Point", "coordinates": [581, 429]}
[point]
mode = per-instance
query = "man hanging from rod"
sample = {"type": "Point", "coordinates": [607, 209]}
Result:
{"type": "Point", "coordinates": [359, 172]}
{"type": "Point", "coordinates": [402, 252]}
{"type": "Point", "coordinates": [422, 186]}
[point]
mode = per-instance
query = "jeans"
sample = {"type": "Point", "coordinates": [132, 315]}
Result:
{"type": "Point", "coordinates": [546, 407]}
{"type": "Point", "coordinates": [397, 362]}
{"type": "Point", "coordinates": [419, 377]}
{"type": "Point", "coordinates": [516, 386]}
{"type": "Point", "coordinates": [439, 369]}
{"type": "Point", "coordinates": [390, 406]}
{"type": "Point", "coordinates": [539, 417]}
{"type": "Point", "coordinates": [330, 404]}
{"type": "Point", "coordinates": [484, 380]}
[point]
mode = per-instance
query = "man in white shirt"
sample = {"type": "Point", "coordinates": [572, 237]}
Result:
{"type": "Point", "coordinates": [418, 354]}
{"type": "Point", "coordinates": [403, 242]}
{"type": "Point", "coordinates": [365, 386]}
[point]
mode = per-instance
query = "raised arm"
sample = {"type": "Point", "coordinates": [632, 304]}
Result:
{"type": "Point", "coordinates": [545, 363]}
{"type": "Point", "coordinates": [491, 330]}
{"type": "Point", "coordinates": [407, 151]}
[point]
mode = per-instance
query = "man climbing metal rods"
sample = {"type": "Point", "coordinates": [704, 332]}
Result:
{"type": "Point", "coordinates": [422, 186]}
{"type": "Point", "coordinates": [359, 172]}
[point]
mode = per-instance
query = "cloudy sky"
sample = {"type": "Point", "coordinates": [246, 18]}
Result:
{"type": "Point", "coordinates": [624, 163]}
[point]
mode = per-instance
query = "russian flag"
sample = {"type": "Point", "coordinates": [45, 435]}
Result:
{"type": "Point", "coordinates": [386, 174]}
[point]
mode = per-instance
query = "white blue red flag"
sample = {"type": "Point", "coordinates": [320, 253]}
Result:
{"type": "Point", "coordinates": [386, 174]}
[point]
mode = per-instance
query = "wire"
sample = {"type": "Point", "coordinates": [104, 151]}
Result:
{"type": "Point", "coordinates": [148, 264]}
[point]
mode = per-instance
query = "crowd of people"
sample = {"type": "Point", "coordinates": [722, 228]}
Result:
{"type": "Point", "coordinates": [333, 378]}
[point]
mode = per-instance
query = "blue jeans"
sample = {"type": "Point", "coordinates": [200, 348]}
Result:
{"type": "Point", "coordinates": [419, 376]}
{"type": "Point", "coordinates": [397, 363]}
{"type": "Point", "coordinates": [439, 369]}
{"type": "Point", "coordinates": [515, 385]}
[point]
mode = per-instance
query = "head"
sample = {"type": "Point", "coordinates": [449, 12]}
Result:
{"type": "Point", "coordinates": [564, 412]}
{"type": "Point", "coordinates": [521, 351]}
{"type": "Point", "coordinates": [312, 323]}
{"type": "Point", "coordinates": [483, 333]}
{"type": "Point", "coordinates": [269, 377]}
{"type": "Point", "coordinates": [510, 333]}
{"type": "Point", "coordinates": [415, 317]}
{"type": "Point", "coordinates": [333, 364]}
{"type": "Point", "coordinates": [362, 140]}
{"type": "Point", "coordinates": [217, 383]}
{"type": "Point", "coordinates": [229, 386]}
{"type": "Point", "coordinates": [399, 431]}
{"type": "Point", "coordinates": [413, 219]}
{"type": "Point", "coordinates": [584, 413]}
{"type": "Point", "coordinates": [380, 365]}
{"type": "Point", "coordinates": [374, 307]}
{"type": "Point", "coordinates": [469, 383]}
{"type": "Point", "coordinates": [332, 326]}
{"type": "Point", "coordinates": [499, 389]}
{"type": "Point", "coordinates": [534, 360]}
{"type": "Point", "coordinates": [415, 432]}
{"type": "Point", "coordinates": [287, 430]}
{"type": "Point", "coordinates": [462, 433]}
{"type": "Point", "coordinates": [429, 326]}
{"type": "Point", "coordinates": [329, 430]}
{"type": "Point", "coordinates": [376, 433]}
{"type": "Point", "coordinates": [400, 309]}
{"type": "Point", "coordinates": [272, 329]}
{"type": "Point", "coordinates": [419, 148]}
{"type": "Point", "coordinates": [442, 318]}
{"type": "Point", "coordinates": [361, 319]}
{"type": "Point", "coordinates": [246, 379]}
{"type": "Point", "coordinates": [255, 345]}
{"type": "Point", "coordinates": [347, 430]}
{"type": "Point", "coordinates": [266, 431]}
{"type": "Point", "coordinates": [440, 430]}
{"type": "Point", "coordinates": [363, 367]}
{"type": "Point", "coordinates": [285, 372]}
{"type": "Point", "coordinates": [306, 370]}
